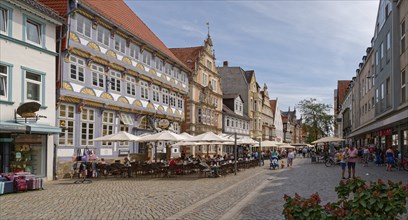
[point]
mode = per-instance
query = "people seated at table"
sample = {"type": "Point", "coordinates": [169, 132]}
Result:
{"type": "Point", "coordinates": [172, 161]}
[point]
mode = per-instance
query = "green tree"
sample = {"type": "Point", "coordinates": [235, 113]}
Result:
{"type": "Point", "coordinates": [317, 120]}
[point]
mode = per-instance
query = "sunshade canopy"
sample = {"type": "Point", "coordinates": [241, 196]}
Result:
{"type": "Point", "coordinates": [208, 137]}
{"type": "Point", "coordinates": [270, 144]}
{"type": "Point", "coordinates": [120, 136]}
{"type": "Point", "coordinates": [327, 139]}
{"type": "Point", "coordinates": [162, 136]}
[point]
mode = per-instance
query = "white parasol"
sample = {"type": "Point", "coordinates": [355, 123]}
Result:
{"type": "Point", "coordinates": [120, 136]}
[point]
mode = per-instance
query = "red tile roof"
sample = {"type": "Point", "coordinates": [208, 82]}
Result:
{"type": "Point", "coordinates": [188, 55]}
{"type": "Point", "coordinates": [119, 13]}
{"type": "Point", "coordinates": [341, 90]}
{"type": "Point", "coordinates": [59, 6]}
{"type": "Point", "coordinates": [272, 103]}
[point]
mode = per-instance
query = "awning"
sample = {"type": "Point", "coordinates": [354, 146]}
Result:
{"type": "Point", "coordinates": [42, 128]}
{"type": "Point", "coordinates": [11, 126]}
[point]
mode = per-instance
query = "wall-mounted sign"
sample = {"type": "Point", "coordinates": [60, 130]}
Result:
{"type": "Point", "coordinates": [385, 132]}
{"type": "Point", "coordinates": [164, 123]}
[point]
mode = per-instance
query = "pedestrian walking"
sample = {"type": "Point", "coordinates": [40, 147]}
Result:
{"type": "Point", "coordinates": [390, 158]}
{"type": "Point", "coordinates": [342, 158]}
{"type": "Point", "coordinates": [366, 154]}
{"type": "Point", "coordinates": [352, 154]}
{"type": "Point", "coordinates": [291, 155]}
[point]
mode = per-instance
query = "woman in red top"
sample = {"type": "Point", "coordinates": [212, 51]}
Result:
{"type": "Point", "coordinates": [352, 154]}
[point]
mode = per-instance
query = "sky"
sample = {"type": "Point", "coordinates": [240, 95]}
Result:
{"type": "Point", "coordinates": [299, 48]}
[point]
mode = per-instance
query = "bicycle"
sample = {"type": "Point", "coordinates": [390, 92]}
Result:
{"type": "Point", "coordinates": [330, 162]}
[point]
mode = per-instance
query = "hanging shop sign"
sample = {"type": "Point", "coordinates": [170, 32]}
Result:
{"type": "Point", "coordinates": [385, 132]}
{"type": "Point", "coordinates": [164, 123]}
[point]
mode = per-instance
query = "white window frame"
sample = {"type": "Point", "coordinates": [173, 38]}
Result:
{"type": "Point", "coordinates": [4, 81]}
{"type": "Point", "coordinates": [159, 64]}
{"type": "Point", "coordinates": [120, 44]}
{"type": "Point", "coordinates": [115, 80]}
{"type": "Point", "coordinates": [104, 34]}
{"type": "Point", "coordinates": [146, 58]}
{"type": "Point", "coordinates": [98, 76]}
{"type": "Point", "coordinates": [36, 82]}
{"type": "Point", "coordinates": [131, 85]}
{"type": "Point", "coordinates": [403, 30]}
{"type": "Point", "coordinates": [134, 51]}
{"type": "Point", "coordinates": [173, 99]}
{"type": "Point", "coordinates": [38, 28]}
{"type": "Point", "coordinates": [167, 69]}
{"type": "Point", "coordinates": [85, 24]}
{"type": "Point", "coordinates": [124, 127]}
{"type": "Point", "coordinates": [214, 84]}
{"type": "Point", "coordinates": [183, 76]}
{"type": "Point", "coordinates": [87, 126]}
{"type": "Point", "coordinates": [180, 101]}
{"type": "Point", "coordinates": [176, 73]}
{"type": "Point", "coordinates": [156, 93]}
{"type": "Point", "coordinates": [144, 89]}
{"type": "Point", "coordinates": [5, 15]}
{"type": "Point", "coordinates": [382, 91]}
{"type": "Point", "coordinates": [377, 96]}
{"type": "Point", "coordinates": [165, 96]}
{"type": "Point", "coordinates": [78, 66]}
{"type": "Point", "coordinates": [126, 119]}
{"type": "Point", "coordinates": [66, 120]}
{"type": "Point", "coordinates": [108, 124]}
{"type": "Point", "coordinates": [205, 79]}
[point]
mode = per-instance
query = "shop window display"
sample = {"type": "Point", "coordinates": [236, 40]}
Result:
{"type": "Point", "coordinates": [27, 154]}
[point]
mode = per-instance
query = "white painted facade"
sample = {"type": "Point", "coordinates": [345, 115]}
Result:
{"type": "Point", "coordinates": [22, 59]}
{"type": "Point", "coordinates": [278, 124]}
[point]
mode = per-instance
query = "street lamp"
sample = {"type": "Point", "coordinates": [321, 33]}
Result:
{"type": "Point", "coordinates": [259, 151]}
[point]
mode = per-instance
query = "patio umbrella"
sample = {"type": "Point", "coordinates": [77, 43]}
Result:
{"type": "Point", "coordinates": [120, 136]}
{"type": "Point", "coordinates": [162, 136]}
{"type": "Point", "coordinates": [287, 146]}
{"type": "Point", "coordinates": [327, 139]}
{"type": "Point", "coordinates": [270, 143]}
{"type": "Point", "coordinates": [186, 135]}
{"type": "Point", "coordinates": [208, 137]}
{"type": "Point", "coordinates": [247, 140]}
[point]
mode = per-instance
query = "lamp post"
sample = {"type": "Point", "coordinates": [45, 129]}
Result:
{"type": "Point", "coordinates": [259, 151]}
{"type": "Point", "coordinates": [235, 153]}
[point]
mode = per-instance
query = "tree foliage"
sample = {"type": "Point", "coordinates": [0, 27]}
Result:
{"type": "Point", "coordinates": [316, 118]}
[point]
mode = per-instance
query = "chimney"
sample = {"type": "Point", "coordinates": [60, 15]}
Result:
{"type": "Point", "coordinates": [225, 63]}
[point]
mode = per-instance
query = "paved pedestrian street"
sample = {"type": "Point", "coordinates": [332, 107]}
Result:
{"type": "Point", "coordinates": [256, 193]}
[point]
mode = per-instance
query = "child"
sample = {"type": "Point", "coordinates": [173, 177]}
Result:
{"type": "Point", "coordinates": [282, 164]}
{"type": "Point", "coordinates": [342, 159]}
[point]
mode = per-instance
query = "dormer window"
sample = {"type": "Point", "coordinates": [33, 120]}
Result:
{"type": "Point", "coordinates": [103, 35]}
{"type": "Point", "coordinates": [83, 25]}
{"type": "Point", "coordinates": [159, 64]}
{"type": "Point", "coordinates": [146, 58]}
{"type": "Point", "coordinates": [120, 44]}
{"type": "Point", "coordinates": [134, 51]}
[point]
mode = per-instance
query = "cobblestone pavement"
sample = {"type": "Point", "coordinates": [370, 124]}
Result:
{"type": "Point", "coordinates": [256, 193]}
{"type": "Point", "coordinates": [305, 179]}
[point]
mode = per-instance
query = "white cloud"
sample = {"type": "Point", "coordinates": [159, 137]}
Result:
{"type": "Point", "coordinates": [299, 48]}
